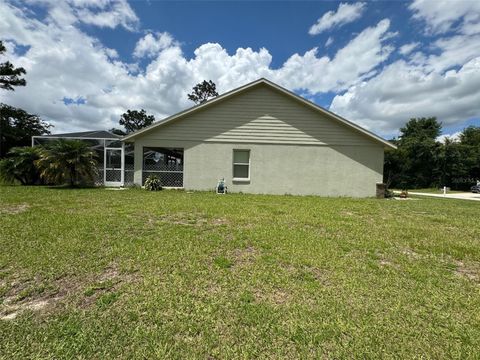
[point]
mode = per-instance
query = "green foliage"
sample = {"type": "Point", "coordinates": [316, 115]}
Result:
{"type": "Point", "coordinates": [422, 162]}
{"type": "Point", "coordinates": [17, 128]}
{"type": "Point", "coordinates": [20, 166]}
{"type": "Point", "coordinates": [421, 128]}
{"type": "Point", "coordinates": [203, 91]}
{"type": "Point", "coordinates": [153, 183]}
{"type": "Point", "coordinates": [107, 299]}
{"type": "Point", "coordinates": [470, 136]}
{"type": "Point", "coordinates": [69, 162]}
{"type": "Point", "coordinates": [9, 75]}
{"type": "Point", "coordinates": [134, 120]}
{"type": "Point", "coordinates": [222, 262]}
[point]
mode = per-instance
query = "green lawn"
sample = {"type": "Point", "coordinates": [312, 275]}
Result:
{"type": "Point", "coordinates": [95, 273]}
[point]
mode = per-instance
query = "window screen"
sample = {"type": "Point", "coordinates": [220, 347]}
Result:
{"type": "Point", "coordinates": [241, 164]}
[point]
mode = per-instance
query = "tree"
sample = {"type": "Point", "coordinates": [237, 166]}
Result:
{"type": "Point", "coordinates": [470, 136]}
{"type": "Point", "coordinates": [415, 163]}
{"type": "Point", "coordinates": [17, 128]}
{"type": "Point", "coordinates": [421, 128]}
{"type": "Point", "coordinates": [470, 141]}
{"type": "Point", "coordinates": [420, 150]}
{"type": "Point", "coordinates": [203, 91]}
{"type": "Point", "coordinates": [422, 161]}
{"type": "Point", "coordinates": [20, 166]}
{"type": "Point", "coordinates": [453, 165]}
{"type": "Point", "coordinates": [9, 75]}
{"type": "Point", "coordinates": [67, 162]}
{"type": "Point", "coordinates": [134, 120]}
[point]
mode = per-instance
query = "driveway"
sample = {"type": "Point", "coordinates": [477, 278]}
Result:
{"type": "Point", "coordinates": [462, 196]}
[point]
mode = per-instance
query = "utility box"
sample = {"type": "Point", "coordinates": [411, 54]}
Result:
{"type": "Point", "coordinates": [381, 188]}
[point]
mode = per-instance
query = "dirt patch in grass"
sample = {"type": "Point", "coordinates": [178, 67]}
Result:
{"type": "Point", "coordinates": [308, 273]}
{"type": "Point", "coordinates": [470, 271]}
{"type": "Point", "coordinates": [10, 312]}
{"type": "Point", "coordinates": [13, 209]}
{"type": "Point", "coordinates": [245, 257]}
{"type": "Point", "coordinates": [411, 254]}
{"type": "Point", "coordinates": [275, 296]}
{"type": "Point", "coordinates": [25, 294]}
{"type": "Point", "coordinates": [103, 288]}
{"type": "Point", "coordinates": [41, 296]}
{"type": "Point", "coordinates": [387, 264]}
{"type": "Point", "coordinates": [192, 219]}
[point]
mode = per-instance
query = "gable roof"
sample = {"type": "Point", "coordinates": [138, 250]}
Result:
{"type": "Point", "coordinates": [274, 86]}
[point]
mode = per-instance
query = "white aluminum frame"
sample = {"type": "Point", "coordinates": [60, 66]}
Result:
{"type": "Point", "coordinates": [122, 167]}
{"type": "Point", "coordinates": [247, 179]}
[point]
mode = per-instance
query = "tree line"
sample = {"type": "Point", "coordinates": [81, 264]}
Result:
{"type": "Point", "coordinates": [422, 161]}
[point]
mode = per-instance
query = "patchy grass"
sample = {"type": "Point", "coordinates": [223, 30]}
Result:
{"type": "Point", "coordinates": [90, 273]}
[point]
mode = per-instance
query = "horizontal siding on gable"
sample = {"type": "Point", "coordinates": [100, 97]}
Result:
{"type": "Point", "coordinates": [259, 115]}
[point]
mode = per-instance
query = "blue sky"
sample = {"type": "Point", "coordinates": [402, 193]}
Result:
{"type": "Point", "coordinates": [377, 63]}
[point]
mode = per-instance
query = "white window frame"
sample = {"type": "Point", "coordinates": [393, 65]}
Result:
{"type": "Point", "coordinates": [247, 179]}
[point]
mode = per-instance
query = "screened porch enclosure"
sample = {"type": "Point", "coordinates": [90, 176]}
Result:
{"type": "Point", "coordinates": [115, 159]}
{"type": "Point", "coordinates": [165, 163]}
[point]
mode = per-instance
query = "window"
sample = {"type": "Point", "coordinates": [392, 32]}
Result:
{"type": "Point", "coordinates": [241, 164]}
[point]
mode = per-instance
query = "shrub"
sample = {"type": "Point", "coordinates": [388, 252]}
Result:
{"type": "Point", "coordinates": [153, 183]}
{"type": "Point", "coordinates": [19, 165]}
{"type": "Point", "coordinates": [67, 162]}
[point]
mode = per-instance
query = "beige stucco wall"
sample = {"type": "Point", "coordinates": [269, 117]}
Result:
{"type": "Point", "coordinates": [279, 169]}
{"type": "Point", "coordinates": [294, 149]}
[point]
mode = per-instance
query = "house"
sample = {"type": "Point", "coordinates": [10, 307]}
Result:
{"type": "Point", "coordinates": [261, 138]}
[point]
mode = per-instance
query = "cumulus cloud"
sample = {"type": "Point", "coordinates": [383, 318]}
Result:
{"type": "Point", "coordinates": [402, 91]}
{"type": "Point", "coordinates": [63, 62]}
{"type": "Point", "coordinates": [350, 65]}
{"type": "Point", "coordinates": [151, 44]}
{"type": "Point", "coordinates": [329, 41]}
{"type": "Point", "coordinates": [441, 80]}
{"type": "Point", "coordinates": [346, 13]}
{"type": "Point", "coordinates": [441, 16]}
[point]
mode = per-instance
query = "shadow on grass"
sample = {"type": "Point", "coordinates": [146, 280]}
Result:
{"type": "Point", "coordinates": [75, 187]}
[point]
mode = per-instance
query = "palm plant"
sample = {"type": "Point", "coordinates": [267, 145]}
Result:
{"type": "Point", "coordinates": [19, 165]}
{"type": "Point", "coordinates": [67, 162]}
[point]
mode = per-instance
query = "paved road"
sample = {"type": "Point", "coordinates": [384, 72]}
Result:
{"type": "Point", "coordinates": [462, 196]}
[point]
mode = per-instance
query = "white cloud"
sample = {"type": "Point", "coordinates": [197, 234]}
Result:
{"type": "Point", "coordinates": [444, 15]}
{"type": "Point", "coordinates": [329, 41]}
{"type": "Point", "coordinates": [453, 137]}
{"type": "Point", "coordinates": [408, 48]}
{"type": "Point", "coordinates": [151, 44]}
{"type": "Point", "coordinates": [402, 91]}
{"type": "Point", "coordinates": [113, 13]}
{"type": "Point", "coordinates": [101, 13]}
{"type": "Point", "coordinates": [351, 64]}
{"type": "Point", "coordinates": [64, 62]}
{"type": "Point", "coordinates": [346, 13]}
{"type": "Point", "coordinates": [442, 83]}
